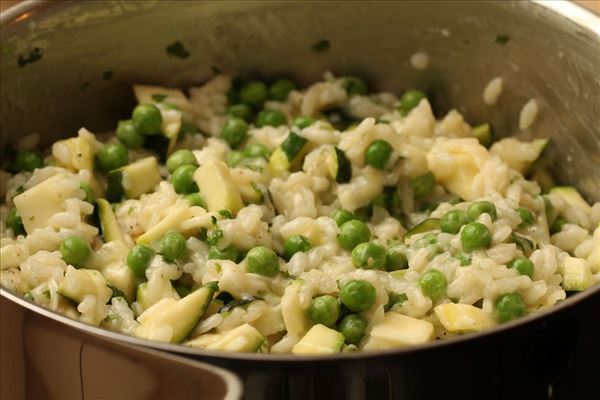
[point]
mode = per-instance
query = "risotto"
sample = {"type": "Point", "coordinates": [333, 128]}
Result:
{"type": "Point", "coordinates": [263, 218]}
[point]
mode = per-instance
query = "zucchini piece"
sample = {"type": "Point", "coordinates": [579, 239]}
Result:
{"type": "Point", "coordinates": [217, 187]}
{"type": "Point", "coordinates": [288, 154]}
{"type": "Point", "coordinates": [576, 274]}
{"type": "Point", "coordinates": [571, 196]}
{"type": "Point", "coordinates": [108, 222]}
{"type": "Point", "coordinates": [430, 224]}
{"type": "Point", "coordinates": [462, 317]}
{"type": "Point", "coordinates": [519, 155]}
{"type": "Point", "coordinates": [293, 145]}
{"type": "Point", "coordinates": [294, 316]}
{"type": "Point", "coordinates": [319, 340]}
{"type": "Point", "coordinates": [78, 283]}
{"type": "Point", "coordinates": [171, 222]}
{"type": "Point", "coordinates": [243, 339]}
{"type": "Point", "coordinates": [133, 180]}
{"type": "Point", "coordinates": [172, 320]}
{"type": "Point", "coordinates": [142, 295]}
{"type": "Point", "coordinates": [338, 165]}
{"type": "Point", "coordinates": [526, 245]}
{"type": "Point", "coordinates": [399, 330]}
{"type": "Point", "coordinates": [80, 151]}
{"type": "Point", "coordinates": [484, 134]}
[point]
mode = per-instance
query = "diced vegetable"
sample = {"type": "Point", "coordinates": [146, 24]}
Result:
{"type": "Point", "coordinates": [108, 222]}
{"type": "Point", "coordinates": [319, 340]}
{"type": "Point", "coordinates": [428, 225]}
{"type": "Point", "coordinates": [571, 196]}
{"type": "Point", "coordinates": [217, 187]}
{"type": "Point", "coordinates": [576, 274]}
{"type": "Point", "coordinates": [399, 330]}
{"type": "Point", "coordinates": [338, 165]}
{"type": "Point", "coordinates": [243, 339]}
{"type": "Point", "coordinates": [456, 317]}
{"type": "Point", "coordinates": [133, 180]}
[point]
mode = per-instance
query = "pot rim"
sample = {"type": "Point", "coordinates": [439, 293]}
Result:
{"type": "Point", "coordinates": [567, 9]}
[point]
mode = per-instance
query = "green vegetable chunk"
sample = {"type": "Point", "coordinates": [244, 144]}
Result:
{"type": "Point", "coordinates": [234, 132]}
{"type": "Point", "coordinates": [112, 156]}
{"type": "Point", "coordinates": [475, 236]}
{"type": "Point", "coordinates": [483, 133]}
{"type": "Point", "coordinates": [523, 265]}
{"type": "Point", "coordinates": [557, 225]}
{"type": "Point", "coordinates": [281, 89]}
{"type": "Point", "coordinates": [128, 135]}
{"type": "Point", "coordinates": [352, 233]}
{"type": "Point", "coordinates": [139, 258]}
{"type": "Point", "coordinates": [89, 193]}
{"type": "Point", "coordinates": [295, 244]}
{"type": "Point", "coordinates": [423, 185]}
{"type": "Point", "coordinates": [409, 100]}
{"type": "Point", "coordinates": [270, 118]}
{"type": "Point", "coordinates": [262, 261]}
{"type": "Point", "coordinates": [303, 122]}
{"type": "Point", "coordinates": [28, 160]}
{"type": "Point", "coordinates": [433, 283]}
{"type": "Point", "coordinates": [453, 220]}
{"type": "Point", "coordinates": [480, 207]}
{"type": "Point", "coordinates": [254, 94]}
{"type": "Point", "coordinates": [358, 295]}
{"type": "Point", "coordinates": [395, 259]}
{"type": "Point", "coordinates": [147, 119]}
{"type": "Point", "coordinates": [14, 222]}
{"type": "Point", "coordinates": [464, 258]}
{"type": "Point", "coordinates": [509, 306]}
{"type": "Point", "coordinates": [353, 328]}
{"type": "Point", "coordinates": [526, 216]}
{"type": "Point", "coordinates": [172, 246]}
{"type": "Point", "coordinates": [355, 86]}
{"type": "Point", "coordinates": [369, 256]}
{"type": "Point", "coordinates": [324, 310]}
{"type": "Point", "coordinates": [183, 179]}
{"type": "Point", "coordinates": [378, 153]}
{"type": "Point", "coordinates": [228, 253]}
{"type": "Point", "coordinates": [75, 251]}
{"type": "Point", "coordinates": [341, 216]}
{"type": "Point", "coordinates": [180, 158]}
{"type": "Point", "coordinates": [241, 110]}
{"type": "Point", "coordinates": [196, 199]}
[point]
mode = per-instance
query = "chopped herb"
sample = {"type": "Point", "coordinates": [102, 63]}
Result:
{"type": "Point", "coordinates": [237, 303]}
{"type": "Point", "coordinates": [84, 85]}
{"type": "Point", "coordinates": [214, 285]}
{"type": "Point", "coordinates": [159, 97]}
{"type": "Point", "coordinates": [226, 213]}
{"type": "Point", "coordinates": [225, 297]}
{"type": "Point", "coordinates": [33, 56]}
{"type": "Point", "coordinates": [213, 219]}
{"type": "Point", "coordinates": [218, 267]}
{"type": "Point", "coordinates": [321, 45]}
{"type": "Point", "coordinates": [46, 293]}
{"type": "Point", "coordinates": [502, 39]}
{"type": "Point", "coordinates": [177, 50]}
{"type": "Point", "coordinates": [203, 234]}
{"type": "Point", "coordinates": [107, 75]}
{"type": "Point", "coordinates": [215, 70]}
{"type": "Point", "coordinates": [215, 235]}
{"type": "Point", "coordinates": [395, 298]}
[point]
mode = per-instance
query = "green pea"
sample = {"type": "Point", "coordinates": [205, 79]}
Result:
{"type": "Point", "coordinates": [355, 86]}
{"type": "Point", "coordinates": [409, 100]}
{"type": "Point", "coordinates": [341, 216]}
{"type": "Point", "coordinates": [147, 119]}
{"type": "Point", "coordinates": [557, 225]}
{"type": "Point", "coordinates": [262, 261]}
{"type": "Point", "coordinates": [74, 251]}
{"type": "Point", "coordinates": [179, 158]}
{"type": "Point", "coordinates": [358, 295]}
{"type": "Point", "coordinates": [172, 246]}
{"type": "Point", "coordinates": [128, 135]}
{"type": "Point", "coordinates": [281, 89]}
{"type": "Point", "coordinates": [183, 179]}
{"type": "Point", "coordinates": [526, 216]}
{"type": "Point", "coordinates": [139, 258]}
{"type": "Point", "coordinates": [254, 94]}
{"type": "Point", "coordinates": [353, 327]}
{"type": "Point", "coordinates": [303, 122]}
{"type": "Point", "coordinates": [234, 157]}
{"type": "Point", "coordinates": [433, 283]}
{"type": "Point", "coordinates": [464, 258]}
{"type": "Point", "coordinates": [241, 110]}
{"type": "Point", "coordinates": [453, 220]}
{"type": "Point", "coordinates": [475, 236]}
{"type": "Point", "coordinates": [509, 306]}
{"type": "Point", "coordinates": [14, 222]}
{"type": "Point", "coordinates": [395, 259]}
{"type": "Point", "coordinates": [352, 233]}
{"type": "Point", "coordinates": [228, 253]}
{"type": "Point", "coordinates": [270, 118]}
{"type": "Point", "coordinates": [378, 153]}
{"type": "Point", "coordinates": [89, 193]}
{"type": "Point", "coordinates": [112, 156]}
{"type": "Point", "coordinates": [295, 244]}
{"type": "Point", "coordinates": [480, 207]}
{"type": "Point", "coordinates": [196, 199]}
{"type": "Point", "coordinates": [27, 160]}
{"type": "Point", "coordinates": [324, 310]}
{"type": "Point", "coordinates": [423, 185]}
{"type": "Point", "coordinates": [368, 256]}
{"type": "Point", "coordinates": [257, 150]}
{"type": "Point", "coordinates": [523, 265]}
{"type": "Point", "coordinates": [234, 132]}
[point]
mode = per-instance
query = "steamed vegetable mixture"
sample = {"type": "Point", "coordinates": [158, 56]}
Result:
{"type": "Point", "coordinates": [261, 217]}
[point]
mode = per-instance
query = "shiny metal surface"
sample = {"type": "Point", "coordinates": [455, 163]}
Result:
{"type": "Point", "coordinates": [553, 55]}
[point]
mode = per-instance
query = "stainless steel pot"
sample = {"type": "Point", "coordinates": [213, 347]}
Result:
{"type": "Point", "coordinates": [70, 64]}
